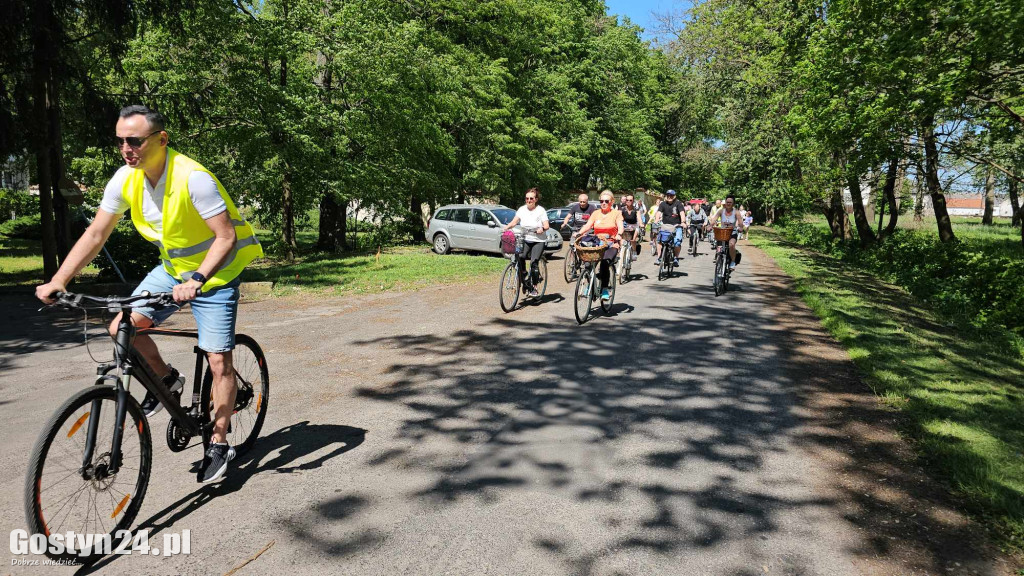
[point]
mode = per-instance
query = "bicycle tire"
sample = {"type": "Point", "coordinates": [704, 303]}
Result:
{"type": "Point", "coordinates": [543, 288]}
{"type": "Point", "coordinates": [606, 305]}
{"type": "Point", "coordinates": [627, 263]}
{"type": "Point", "coordinates": [579, 299]}
{"type": "Point", "coordinates": [665, 268]}
{"type": "Point", "coordinates": [124, 504]}
{"type": "Point", "coordinates": [510, 287]}
{"type": "Point", "coordinates": [719, 264]}
{"type": "Point", "coordinates": [571, 268]}
{"type": "Point", "coordinates": [251, 412]}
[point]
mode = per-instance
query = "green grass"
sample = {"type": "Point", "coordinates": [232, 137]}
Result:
{"type": "Point", "coordinates": [959, 391]}
{"type": "Point", "coordinates": [397, 269]}
{"type": "Point", "coordinates": [998, 239]}
{"type": "Point", "coordinates": [21, 262]}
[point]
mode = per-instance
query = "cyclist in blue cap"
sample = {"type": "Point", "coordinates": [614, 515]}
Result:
{"type": "Point", "coordinates": [670, 216]}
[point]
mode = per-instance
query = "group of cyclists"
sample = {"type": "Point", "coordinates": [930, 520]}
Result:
{"type": "Point", "coordinates": [615, 223]}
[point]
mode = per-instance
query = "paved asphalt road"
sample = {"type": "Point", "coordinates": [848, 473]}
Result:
{"type": "Point", "coordinates": [428, 433]}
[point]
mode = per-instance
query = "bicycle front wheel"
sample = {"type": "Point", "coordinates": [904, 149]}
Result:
{"type": "Point", "coordinates": [571, 265]}
{"type": "Point", "coordinates": [511, 283]}
{"type": "Point", "coordinates": [719, 274]}
{"type": "Point", "coordinates": [64, 492]}
{"type": "Point", "coordinates": [252, 394]}
{"type": "Point", "coordinates": [584, 299]}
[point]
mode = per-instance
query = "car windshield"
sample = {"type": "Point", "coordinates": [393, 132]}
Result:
{"type": "Point", "coordinates": [504, 215]}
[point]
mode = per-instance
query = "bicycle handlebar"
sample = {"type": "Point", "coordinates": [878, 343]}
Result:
{"type": "Point", "coordinates": [152, 300]}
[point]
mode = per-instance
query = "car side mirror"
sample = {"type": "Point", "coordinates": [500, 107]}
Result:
{"type": "Point", "coordinates": [491, 224]}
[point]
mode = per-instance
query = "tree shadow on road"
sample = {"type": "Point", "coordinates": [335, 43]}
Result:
{"type": "Point", "coordinates": [285, 451]}
{"type": "Point", "coordinates": [561, 413]}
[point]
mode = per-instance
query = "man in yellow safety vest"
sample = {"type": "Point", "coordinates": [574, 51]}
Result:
{"type": "Point", "coordinates": [204, 244]}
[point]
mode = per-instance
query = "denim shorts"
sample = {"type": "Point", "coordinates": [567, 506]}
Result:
{"type": "Point", "coordinates": [215, 312]}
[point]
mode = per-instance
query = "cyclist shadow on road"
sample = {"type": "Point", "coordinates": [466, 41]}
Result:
{"type": "Point", "coordinates": [546, 299]}
{"type": "Point", "coordinates": [283, 452]}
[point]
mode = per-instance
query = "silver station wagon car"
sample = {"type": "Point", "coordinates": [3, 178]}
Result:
{"type": "Point", "coordinates": [476, 227]}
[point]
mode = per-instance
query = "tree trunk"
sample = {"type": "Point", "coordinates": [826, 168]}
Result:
{"type": "Point", "coordinates": [838, 221]}
{"type": "Point", "coordinates": [288, 214]}
{"type": "Point", "coordinates": [931, 176]}
{"type": "Point", "coordinates": [333, 216]}
{"type": "Point", "coordinates": [43, 24]}
{"type": "Point", "coordinates": [61, 214]}
{"type": "Point", "coordinates": [419, 232]}
{"type": "Point", "coordinates": [990, 197]}
{"type": "Point", "coordinates": [1014, 202]}
{"type": "Point", "coordinates": [865, 234]}
{"type": "Point", "coordinates": [891, 177]}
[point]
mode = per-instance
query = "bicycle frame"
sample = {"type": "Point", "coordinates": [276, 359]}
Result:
{"type": "Point", "coordinates": [127, 361]}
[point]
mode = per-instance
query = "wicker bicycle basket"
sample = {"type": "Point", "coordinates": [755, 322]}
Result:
{"type": "Point", "coordinates": [723, 234]}
{"type": "Point", "coordinates": [590, 253]}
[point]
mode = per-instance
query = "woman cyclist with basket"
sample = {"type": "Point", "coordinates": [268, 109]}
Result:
{"type": "Point", "coordinates": [606, 224]}
{"type": "Point", "coordinates": [729, 217]}
{"type": "Point", "coordinates": [534, 219]}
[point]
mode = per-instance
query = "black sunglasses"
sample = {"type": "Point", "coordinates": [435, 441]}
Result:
{"type": "Point", "coordinates": [606, 201]}
{"type": "Point", "coordinates": [134, 141]}
{"type": "Point", "coordinates": [530, 198]}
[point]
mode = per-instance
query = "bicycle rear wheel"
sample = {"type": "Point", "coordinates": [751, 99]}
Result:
{"type": "Point", "coordinates": [511, 285]}
{"type": "Point", "coordinates": [584, 297]}
{"type": "Point", "coordinates": [61, 494]}
{"type": "Point", "coordinates": [626, 264]}
{"type": "Point", "coordinates": [252, 395]}
{"type": "Point", "coordinates": [542, 286]}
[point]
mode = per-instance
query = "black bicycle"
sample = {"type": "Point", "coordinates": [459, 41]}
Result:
{"type": "Point", "coordinates": [90, 467]}
{"type": "Point", "coordinates": [514, 279]}
{"type": "Point", "coordinates": [572, 264]}
{"type": "Point", "coordinates": [696, 236]}
{"type": "Point", "coordinates": [666, 238]}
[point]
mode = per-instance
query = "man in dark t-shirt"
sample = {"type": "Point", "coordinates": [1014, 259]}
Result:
{"type": "Point", "coordinates": [579, 213]}
{"type": "Point", "coordinates": [670, 213]}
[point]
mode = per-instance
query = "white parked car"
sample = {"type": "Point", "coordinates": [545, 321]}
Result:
{"type": "Point", "coordinates": [476, 227]}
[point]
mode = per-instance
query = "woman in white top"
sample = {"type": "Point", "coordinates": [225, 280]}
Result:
{"type": "Point", "coordinates": [534, 219]}
{"type": "Point", "coordinates": [729, 216]}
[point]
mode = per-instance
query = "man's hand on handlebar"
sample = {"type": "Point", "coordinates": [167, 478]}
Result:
{"type": "Point", "coordinates": [46, 292]}
{"type": "Point", "coordinates": [187, 291]}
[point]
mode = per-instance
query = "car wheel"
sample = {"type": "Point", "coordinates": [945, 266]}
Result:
{"type": "Point", "coordinates": [441, 244]}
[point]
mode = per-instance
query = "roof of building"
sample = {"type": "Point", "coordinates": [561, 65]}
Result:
{"type": "Point", "coordinates": [977, 202]}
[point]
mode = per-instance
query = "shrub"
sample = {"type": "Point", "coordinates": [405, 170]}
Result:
{"type": "Point", "coordinates": [957, 279]}
{"type": "Point", "coordinates": [20, 203]}
{"type": "Point", "coordinates": [27, 227]}
{"type": "Point", "coordinates": [132, 253]}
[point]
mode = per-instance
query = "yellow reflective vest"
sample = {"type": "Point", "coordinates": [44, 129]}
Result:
{"type": "Point", "coordinates": [186, 238]}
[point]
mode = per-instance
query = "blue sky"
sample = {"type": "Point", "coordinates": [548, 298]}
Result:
{"type": "Point", "coordinates": [639, 11]}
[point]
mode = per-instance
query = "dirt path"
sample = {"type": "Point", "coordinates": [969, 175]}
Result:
{"type": "Point", "coordinates": [429, 433]}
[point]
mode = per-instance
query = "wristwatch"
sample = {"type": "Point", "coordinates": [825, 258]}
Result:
{"type": "Point", "coordinates": [198, 277]}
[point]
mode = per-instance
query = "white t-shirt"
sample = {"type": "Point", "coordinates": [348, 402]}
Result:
{"type": "Point", "coordinates": [202, 188]}
{"type": "Point", "coordinates": [531, 220]}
